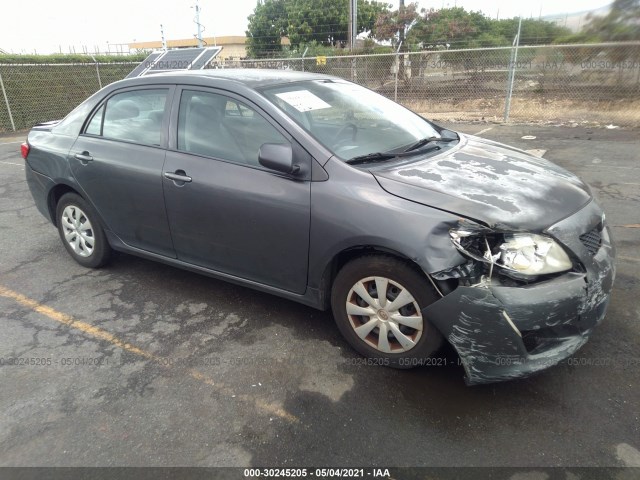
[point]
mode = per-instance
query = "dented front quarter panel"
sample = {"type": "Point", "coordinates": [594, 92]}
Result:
{"type": "Point", "coordinates": [487, 323]}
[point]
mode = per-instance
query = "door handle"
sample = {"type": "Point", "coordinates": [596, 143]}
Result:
{"type": "Point", "coordinates": [84, 157]}
{"type": "Point", "coordinates": [178, 176]}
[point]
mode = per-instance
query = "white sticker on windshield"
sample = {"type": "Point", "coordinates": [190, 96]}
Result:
{"type": "Point", "coordinates": [303, 100]}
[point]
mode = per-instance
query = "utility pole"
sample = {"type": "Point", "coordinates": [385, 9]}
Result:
{"type": "Point", "coordinates": [353, 23]}
{"type": "Point", "coordinates": [350, 26]}
{"type": "Point", "coordinates": [164, 40]}
{"type": "Point", "coordinates": [199, 25]}
{"type": "Point", "coordinates": [400, 58]}
{"type": "Point", "coordinates": [400, 9]}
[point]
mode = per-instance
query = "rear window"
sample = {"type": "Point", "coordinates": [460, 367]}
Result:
{"type": "Point", "coordinates": [134, 116]}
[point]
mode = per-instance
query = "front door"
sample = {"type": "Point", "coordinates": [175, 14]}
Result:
{"type": "Point", "coordinates": [226, 212]}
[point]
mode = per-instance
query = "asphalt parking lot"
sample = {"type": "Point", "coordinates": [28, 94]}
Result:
{"type": "Point", "coordinates": [141, 364]}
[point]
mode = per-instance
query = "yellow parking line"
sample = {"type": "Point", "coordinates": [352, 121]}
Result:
{"type": "Point", "coordinates": [71, 322]}
{"type": "Point", "coordinates": [101, 334]}
{"type": "Point", "coordinates": [484, 130]}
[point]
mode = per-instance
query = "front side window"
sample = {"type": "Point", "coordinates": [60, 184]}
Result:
{"type": "Point", "coordinates": [222, 127]}
{"type": "Point", "coordinates": [134, 116]}
{"type": "Point", "coordinates": [348, 119]}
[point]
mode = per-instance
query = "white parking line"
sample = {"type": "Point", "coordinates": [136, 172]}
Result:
{"type": "Point", "coordinates": [11, 163]}
{"type": "Point", "coordinates": [9, 143]}
{"type": "Point", "coordinates": [483, 131]}
{"type": "Point", "coordinates": [536, 152]}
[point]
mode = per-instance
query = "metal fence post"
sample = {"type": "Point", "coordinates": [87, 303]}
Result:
{"type": "Point", "coordinates": [6, 100]}
{"type": "Point", "coordinates": [304, 54]}
{"type": "Point", "coordinates": [97, 71]}
{"type": "Point", "coordinates": [396, 68]}
{"type": "Point", "coordinates": [512, 72]}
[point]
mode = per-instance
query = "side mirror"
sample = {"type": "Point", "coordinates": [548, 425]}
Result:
{"type": "Point", "coordinates": [277, 156]}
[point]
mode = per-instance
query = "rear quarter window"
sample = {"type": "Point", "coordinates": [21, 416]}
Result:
{"type": "Point", "coordinates": [134, 116]}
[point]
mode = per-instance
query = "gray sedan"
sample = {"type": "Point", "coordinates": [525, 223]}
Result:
{"type": "Point", "coordinates": [323, 192]}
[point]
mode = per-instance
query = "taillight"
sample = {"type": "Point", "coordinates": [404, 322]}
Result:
{"type": "Point", "coordinates": [24, 150]}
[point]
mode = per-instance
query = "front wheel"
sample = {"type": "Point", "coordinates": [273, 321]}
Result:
{"type": "Point", "coordinates": [377, 303]}
{"type": "Point", "coordinates": [81, 232]}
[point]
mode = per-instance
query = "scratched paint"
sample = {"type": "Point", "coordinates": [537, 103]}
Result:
{"type": "Point", "coordinates": [496, 184]}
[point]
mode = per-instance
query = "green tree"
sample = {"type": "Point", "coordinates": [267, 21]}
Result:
{"type": "Point", "coordinates": [267, 26]}
{"type": "Point", "coordinates": [389, 24]}
{"type": "Point", "coordinates": [453, 26]}
{"type": "Point", "coordinates": [459, 28]}
{"type": "Point", "coordinates": [533, 32]}
{"type": "Point", "coordinates": [324, 22]}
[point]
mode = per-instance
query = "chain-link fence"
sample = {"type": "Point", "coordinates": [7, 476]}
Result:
{"type": "Point", "coordinates": [589, 83]}
{"type": "Point", "coordinates": [32, 93]}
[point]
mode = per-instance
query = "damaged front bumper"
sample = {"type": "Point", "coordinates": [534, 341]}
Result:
{"type": "Point", "coordinates": [504, 332]}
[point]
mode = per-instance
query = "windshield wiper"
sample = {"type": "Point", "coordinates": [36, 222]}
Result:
{"type": "Point", "coordinates": [371, 157]}
{"type": "Point", "coordinates": [425, 141]}
{"type": "Point", "coordinates": [383, 156]}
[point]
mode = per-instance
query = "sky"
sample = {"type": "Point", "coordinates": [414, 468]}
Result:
{"type": "Point", "coordinates": [50, 26]}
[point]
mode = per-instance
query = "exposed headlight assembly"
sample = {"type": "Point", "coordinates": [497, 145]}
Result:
{"type": "Point", "coordinates": [532, 254]}
{"type": "Point", "coordinates": [524, 254]}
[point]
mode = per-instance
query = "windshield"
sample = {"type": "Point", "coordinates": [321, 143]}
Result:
{"type": "Point", "coordinates": [350, 120]}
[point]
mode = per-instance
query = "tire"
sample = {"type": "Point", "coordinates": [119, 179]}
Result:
{"type": "Point", "coordinates": [363, 277]}
{"type": "Point", "coordinates": [81, 232]}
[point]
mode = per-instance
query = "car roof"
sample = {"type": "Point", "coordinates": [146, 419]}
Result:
{"type": "Point", "coordinates": [252, 78]}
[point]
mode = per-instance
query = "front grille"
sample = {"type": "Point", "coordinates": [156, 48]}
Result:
{"type": "Point", "coordinates": [592, 240]}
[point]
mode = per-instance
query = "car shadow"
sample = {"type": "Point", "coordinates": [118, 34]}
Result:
{"type": "Point", "coordinates": [380, 416]}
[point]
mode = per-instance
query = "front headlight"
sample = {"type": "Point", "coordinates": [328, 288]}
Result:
{"type": "Point", "coordinates": [526, 254]}
{"type": "Point", "coordinates": [532, 254]}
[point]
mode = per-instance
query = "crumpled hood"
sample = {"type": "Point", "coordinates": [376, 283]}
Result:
{"type": "Point", "coordinates": [498, 185]}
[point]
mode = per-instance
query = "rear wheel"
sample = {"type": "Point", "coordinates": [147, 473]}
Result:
{"type": "Point", "coordinates": [377, 303]}
{"type": "Point", "coordinates": [81, 232]}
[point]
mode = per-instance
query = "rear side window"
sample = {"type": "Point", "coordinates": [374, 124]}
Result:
{"type": "Point", "coordinates": [134, 116]}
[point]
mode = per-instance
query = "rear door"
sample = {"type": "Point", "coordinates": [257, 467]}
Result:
{"type": "Point", "coordinates": [228, 213]}
{"type": "Point", "coordinates": [118, 159]}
